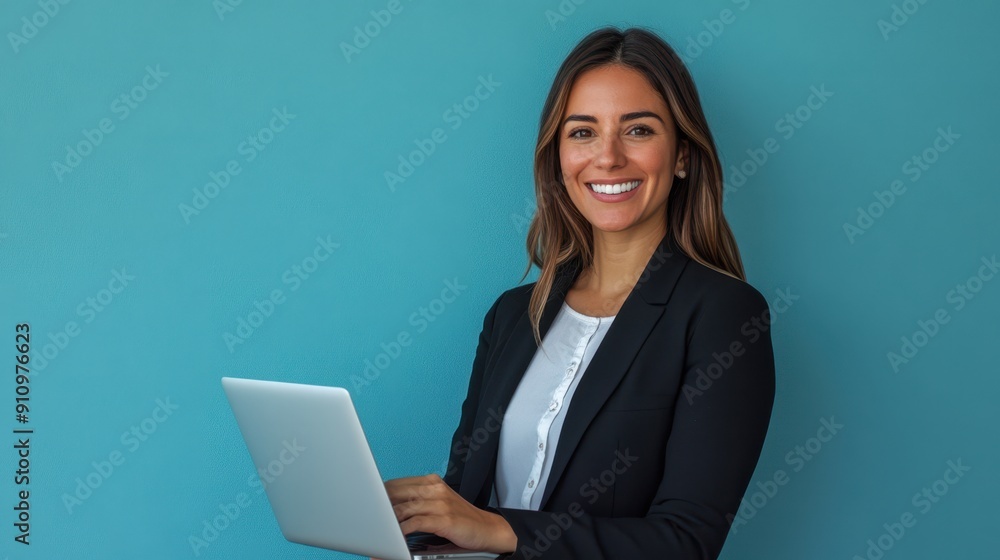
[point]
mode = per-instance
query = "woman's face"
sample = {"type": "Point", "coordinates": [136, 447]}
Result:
{"type": "Point", "coordinates": [618, 134]}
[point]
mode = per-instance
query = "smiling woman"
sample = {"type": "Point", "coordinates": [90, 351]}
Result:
{"type": "Point", "coordinates": [641, 289]}
{"type": "Point", "coordinates": [615, 150]}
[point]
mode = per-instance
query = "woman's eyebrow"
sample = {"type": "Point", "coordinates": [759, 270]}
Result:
{"type": "Point", "coordinates": [626, 117]}
{"type": "Point", "coordinates": [640, 115]}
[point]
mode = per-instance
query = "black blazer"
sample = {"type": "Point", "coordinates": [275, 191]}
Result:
{"type": "Point", "coordinates": [663, 432]}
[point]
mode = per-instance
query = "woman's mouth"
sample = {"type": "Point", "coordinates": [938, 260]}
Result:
{"type": "Point", "coordinates": [618, 191]}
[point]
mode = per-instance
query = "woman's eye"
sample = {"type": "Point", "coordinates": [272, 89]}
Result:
{"type": "Point", "coordinates": [641, 131]}
{"type": "Point", "coordinates": [579, 133]}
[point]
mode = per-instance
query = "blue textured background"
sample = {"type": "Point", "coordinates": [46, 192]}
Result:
{"type": "Point", "coordinates": [461, 215]}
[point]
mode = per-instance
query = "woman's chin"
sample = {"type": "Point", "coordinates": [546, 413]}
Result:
{"type": "Point", "coordinates": [612, 224]}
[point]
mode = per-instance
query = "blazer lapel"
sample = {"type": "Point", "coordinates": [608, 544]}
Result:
{"type": "Point", "coordinates": [511, 365]}
{"type": "Point", "coordinates": [639, 313]}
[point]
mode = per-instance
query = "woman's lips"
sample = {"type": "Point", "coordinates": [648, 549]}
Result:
{"type": "Point", "coordinates": [636, 184]}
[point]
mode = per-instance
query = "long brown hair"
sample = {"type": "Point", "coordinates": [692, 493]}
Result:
{"type": "Point", "coordinates": [559, 233]}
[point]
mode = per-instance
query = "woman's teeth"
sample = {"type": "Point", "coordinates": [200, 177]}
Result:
{"type": "Point", "coordinates": [616, 188]}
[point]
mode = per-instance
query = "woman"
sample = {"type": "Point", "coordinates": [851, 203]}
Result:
{"type": "Point", "coordinates": [633, 431]}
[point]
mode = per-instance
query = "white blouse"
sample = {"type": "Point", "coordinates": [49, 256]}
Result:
{"type": "Point", "coordinates": [534, 417]}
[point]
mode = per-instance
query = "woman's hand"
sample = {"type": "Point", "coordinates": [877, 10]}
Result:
{"type": "Point", "coordinates": [426, 503]}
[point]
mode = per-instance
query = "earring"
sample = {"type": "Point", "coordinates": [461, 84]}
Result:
{"type": "Point", "coordinates": [682, 174]}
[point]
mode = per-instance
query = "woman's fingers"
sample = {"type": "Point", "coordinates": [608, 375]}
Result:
{"type": "Point", "coordinates": [413, 487]}
{"type": "Point", "coordinates": [426, 504]}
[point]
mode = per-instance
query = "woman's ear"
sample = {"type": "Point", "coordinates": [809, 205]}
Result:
{"type": "Point", "coordinates": [682, 156]}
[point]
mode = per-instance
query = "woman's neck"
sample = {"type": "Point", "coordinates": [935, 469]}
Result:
{"type": "Point", "coordinates": [619, 260]}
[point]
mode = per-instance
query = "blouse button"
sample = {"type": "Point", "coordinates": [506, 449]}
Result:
{"type": "Point", "coordinates": [541, 445]}
{"type": "Point", "coordinates": [531, 484]}
{"type": "Point", "coordinates": [553, 405]}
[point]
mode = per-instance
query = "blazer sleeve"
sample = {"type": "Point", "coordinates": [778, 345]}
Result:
{"type": "Point", "coordinates": [719, 426]}
{"type": "Point", "coordinates": [459, 450]}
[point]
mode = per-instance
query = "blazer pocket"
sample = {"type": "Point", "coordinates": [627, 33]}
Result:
{"type": "Point", "coordinates": [641, 401]}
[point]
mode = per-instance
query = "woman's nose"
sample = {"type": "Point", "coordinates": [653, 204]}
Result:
{"type": "Point", "coordinates": [610, 153]}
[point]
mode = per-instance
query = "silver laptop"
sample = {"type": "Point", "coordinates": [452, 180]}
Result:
{"type": "Point", "coordinates": [319, 474]}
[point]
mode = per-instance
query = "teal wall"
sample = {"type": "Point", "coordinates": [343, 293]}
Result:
{"type": "Point", "coordinates": [166, 168]}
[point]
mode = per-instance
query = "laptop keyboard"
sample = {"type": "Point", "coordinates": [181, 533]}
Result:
{"type": "Point", "coordinates": [419, 540]}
